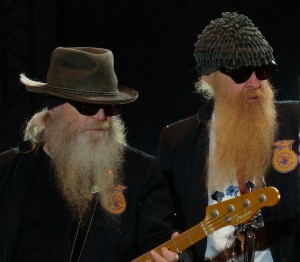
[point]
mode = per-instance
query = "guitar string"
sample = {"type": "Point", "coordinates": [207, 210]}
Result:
{"type": "Point", "coordinates": [193, 234]}
{"type": "Point", "coordinates": [207, 227]}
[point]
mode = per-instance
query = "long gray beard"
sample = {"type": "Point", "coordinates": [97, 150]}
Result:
{"type": "Point", "coordinates": [82, 164]}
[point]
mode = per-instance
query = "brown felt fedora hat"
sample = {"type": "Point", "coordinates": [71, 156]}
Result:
{"type": "Point", "coordinates": [84, 74]}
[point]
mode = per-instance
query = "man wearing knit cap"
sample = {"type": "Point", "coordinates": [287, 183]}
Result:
{"type": "Point", "coordinates": [241, 140]}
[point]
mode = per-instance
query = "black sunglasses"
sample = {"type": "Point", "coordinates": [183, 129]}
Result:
{"type": "Point", "coordinates": [88, 109]}
{"type": "Point", "coordinates": [242, 74]}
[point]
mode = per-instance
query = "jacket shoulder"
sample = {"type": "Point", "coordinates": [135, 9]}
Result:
{"type": "Point", "coordinates": [289, 118]}
{"type": "Point", "coordinates": [136, 155]}
{"type": "Point", "coordinates": [24, 147]}
{"type": "Point", "coordinates": [189, 124]}
{"type": "Point", "coordinates": [8, 155]}
{"type": "Point", "coordinates": [288, 111]}
{"type": "Point", "coordinates": [184, 125]}
{"type": "Point", "coordinates": [288, 106]}
{"type": "Point", "coordinates": [287, 102]}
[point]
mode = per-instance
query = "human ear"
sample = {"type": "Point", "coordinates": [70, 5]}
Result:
{"type": "Point", "coordinates": [52, 112]}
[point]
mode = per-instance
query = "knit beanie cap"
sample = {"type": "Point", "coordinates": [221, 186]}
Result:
{"type": "Point", "coordinates": [231, 41]}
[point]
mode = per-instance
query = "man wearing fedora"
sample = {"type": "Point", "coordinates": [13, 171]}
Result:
{"type": "Point", "coordinates": [240, 140]}
{"type": "Point", "coordinates": [73, 190]}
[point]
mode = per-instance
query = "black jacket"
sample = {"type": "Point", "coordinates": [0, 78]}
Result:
{"type": "Point", "coordinates": [36, 225]}
{"type": "Point", "coordinates": [182, 156]}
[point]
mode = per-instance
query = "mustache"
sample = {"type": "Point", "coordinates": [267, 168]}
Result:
{"type": "Point", "coordinates": [105, 125]}
{"type": "Point", "coordinates": [257, 92]}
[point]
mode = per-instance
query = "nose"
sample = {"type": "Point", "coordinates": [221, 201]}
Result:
{"type": "Point", "coordinates": [253, 82]}
{"type": "Point", "coordinates": [100, 115]}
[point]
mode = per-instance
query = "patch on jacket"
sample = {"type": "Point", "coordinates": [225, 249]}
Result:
{"type": "Point", "coordinates": [284, 158]}
{"type": "Point", "coordinates": [118, 201]}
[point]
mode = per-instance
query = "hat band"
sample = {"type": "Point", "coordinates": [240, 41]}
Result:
{"type": "Point", "coordinates": [75, 91]}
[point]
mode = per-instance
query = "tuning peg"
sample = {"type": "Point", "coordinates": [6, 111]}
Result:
{"type": "Point", "coordinates": [218, 196]}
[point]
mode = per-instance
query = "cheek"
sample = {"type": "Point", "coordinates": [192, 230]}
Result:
{"type": "Point", "coordinates": [227, 86]}
{"type": "Point", "coordinates": [75, 125]}
{"type": "Point", "coordinates": [232, 91]}
{"type": "Point", "coordinates": [239, 90]}
{"type": "Point", "coordinates": [109, 119]}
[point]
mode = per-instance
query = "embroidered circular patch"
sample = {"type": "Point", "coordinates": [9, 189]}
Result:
{"type": "Point", "coordinates": [117, 204]}
{"type": "Point", "coordinates": [284, 158]}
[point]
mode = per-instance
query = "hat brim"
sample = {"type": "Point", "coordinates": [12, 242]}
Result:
{"type": "Point", "coordinates": [124, 95]}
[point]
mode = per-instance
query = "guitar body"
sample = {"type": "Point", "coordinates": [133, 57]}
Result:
{"type": "Point", "coordinates": [233, 212]}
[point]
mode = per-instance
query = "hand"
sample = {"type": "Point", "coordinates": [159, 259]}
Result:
{"type": "Point", "coordinates": [166, 255]}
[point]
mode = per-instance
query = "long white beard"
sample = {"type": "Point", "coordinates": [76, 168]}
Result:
{"type": "Point", "coordinates": [83, 162]}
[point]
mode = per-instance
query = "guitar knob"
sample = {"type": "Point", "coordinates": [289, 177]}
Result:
{"type": "Point", "coordinates": [262, 198]}
{"type": "Point", "coordinates": [214, 213]}
{"type": "Point", "coordinates": [246, 203]}
{"type": "Point", "coordinates": [230, 208]}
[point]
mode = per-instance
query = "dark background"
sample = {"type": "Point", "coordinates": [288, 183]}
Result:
{"type": "Point", "coordinates": [153, 45]}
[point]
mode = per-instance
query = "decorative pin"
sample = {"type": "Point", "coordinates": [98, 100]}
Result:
{"type": "Point", "coordinates": [284, 158]}
{"type": "Point", "coordinates": [117, 204]}
{"type": "Point", "coordinates": [232, 191]}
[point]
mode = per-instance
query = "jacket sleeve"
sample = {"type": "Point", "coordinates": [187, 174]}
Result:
{"type": "Point", "coordinates": [155, 209]}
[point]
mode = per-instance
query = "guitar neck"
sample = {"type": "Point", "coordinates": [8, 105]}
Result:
{"type": "Point", "coordinates": [180, 243]}
{"type": "Point", "coordinates": [230, 212]}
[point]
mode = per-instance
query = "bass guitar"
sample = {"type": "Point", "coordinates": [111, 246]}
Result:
{"type": "Point", "coordinates": [233, 212]}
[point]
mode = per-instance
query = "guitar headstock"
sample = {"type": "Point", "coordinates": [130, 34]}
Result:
{"type": "Point", "coordinates": [240, 209]}
{"type": "Point", "coordinates": [229, 212]}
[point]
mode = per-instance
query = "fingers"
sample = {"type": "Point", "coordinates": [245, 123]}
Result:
{"type": "Point", "coordinates": [174, 235]}
{"type": "Point", "coordinates": [166, 255]}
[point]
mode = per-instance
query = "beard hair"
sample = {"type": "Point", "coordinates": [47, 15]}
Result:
{"type": "Point", "coordinates": [84, 162]}
{"type": "Point", "coordinates": [243, 137]}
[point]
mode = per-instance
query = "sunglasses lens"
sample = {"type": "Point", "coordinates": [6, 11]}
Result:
{"type": "Point", "coordinates": [87, 109]}
{"type": "Point", "coordinates": [91, 109]}
{"type": "Point", "coordinates": [111, 110]}
{"type": "Point", "coordinates": [241, 75]}
{"type": "Point", "coordinates": [264, 72]}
